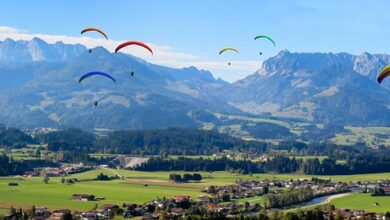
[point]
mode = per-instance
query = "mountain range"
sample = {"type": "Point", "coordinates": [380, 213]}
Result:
{"type": "Point", "coordinates": [39, 88]}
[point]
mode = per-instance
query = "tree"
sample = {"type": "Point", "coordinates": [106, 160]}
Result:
{"type": "Point", "coordinates": [197, 177]}
{"type": "Point", "coordinates": [12, 211]}
{"type": "Point", "coordinates": [225, 197]}
{"type": "Point", "coordinates": [37, 153]}
{"type": "Point", "coordinates": [67, 216]}
{"type": "Point", "coordinates": [46, 179]}
{"type": "Point", "coordinates": [33, 210]}
{"type": "Point", "coordinates": [102, 177]}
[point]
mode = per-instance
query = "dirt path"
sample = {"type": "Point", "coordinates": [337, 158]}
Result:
{"type": "Point", "coordinates": [114, 171]}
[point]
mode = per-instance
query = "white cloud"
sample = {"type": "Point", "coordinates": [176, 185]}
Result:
{"type": "Point", "coordinates": [163, 54]}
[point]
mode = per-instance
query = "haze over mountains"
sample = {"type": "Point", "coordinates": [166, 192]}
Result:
{"type": "Point", "coordinates": [39, 88]}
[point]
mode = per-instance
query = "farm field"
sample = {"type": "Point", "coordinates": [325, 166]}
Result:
{"type": "Point", "coordinates": [56, 195]}
{"type": "Point", "coordinates": [223, 178]}
{"type": "Point", "coordinates": [363, 201]}
{"type": "Point", "coordinates": [132, 189]}
{"type": "Point", "coordinates": [372, 136]}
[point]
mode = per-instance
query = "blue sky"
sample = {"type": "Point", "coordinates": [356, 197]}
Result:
{"type": "Point", "coordinates": [200, 28]}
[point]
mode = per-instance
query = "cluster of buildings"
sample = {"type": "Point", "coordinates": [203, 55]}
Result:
{"type": "Point", "coordinates": [244, 155]}
{"type": "Point", "coordinates": [64, 170]}
{"type": "Point", "coordinates": [379, 187]}
{"type": "Point", "coordinates": [181, 206]}
{"type": "Point", "coordinates": [358, 214]}
{"type": "Point", "coordinates": [250, 188]}
{"type": "Point", "coordinates": [172, 208]}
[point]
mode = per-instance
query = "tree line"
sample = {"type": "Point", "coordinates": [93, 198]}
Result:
{"type": "Point", "coordinates": [9, 166]}
{"type": "Point", "coordinates": [278, 164]}
{"type": "Point", "coordinates": [171, 141]}
{"type": "Point", "coordinates": [185, 177]}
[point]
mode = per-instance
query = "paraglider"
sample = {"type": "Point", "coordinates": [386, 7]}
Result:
{"type": "Point", "coordinates": [94, 29]}
{"type": "Point", "coordinates": [96, 73]}
{"type": "Point", "coordinates": [265, 37]}
{"type": "Point", "coordinates": [128, 43]}
{"type": "Point", "coordinates": [226, 49]}
{"type": "Point", "coordinates": [384, 73]}
{"type": "Point", "coordinates": [89, 74]}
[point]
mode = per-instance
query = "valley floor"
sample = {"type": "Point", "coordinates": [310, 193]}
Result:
{"type": "Point", "coordinates": [139, 187]}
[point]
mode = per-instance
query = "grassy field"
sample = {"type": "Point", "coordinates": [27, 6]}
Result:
{"type": "Point", "coordinates": [363, 201]}
{"type": "Point", "coordinates": [32, 191]}
{"type": "Point", "coordinates": [23, 153]}
{"type": "Point", "coordinates": [372, 136]}
{"type": "Point", "coordinates": [223, 178]}
{"type": "Point", "coordinates": [3, 212]}
{"type": "Point", "coordinates": [56, 195]}
{"type": "Point", "coordinates": [253, 119]}
{"type": "Point", "coordinates": [256, 199]}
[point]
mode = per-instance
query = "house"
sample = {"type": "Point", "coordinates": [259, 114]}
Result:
{"type": "Point", "coordinates": [179, 199]}
{"type": "Point", "coordinates": [203, 198]}
{"type": "Point", "coordinates": [131, 206]}
{"type": "Point", "coordinates": [111, 207]}
{"type": "Point", "coordinates": [212, 207]}
{"type": "Point", "coordinates": [387, 191]}
{"type": "Point", "coordinates": [83, 197]}
{"type": "Point", "coordinates": [215, 199]}
{"type": "Point", "coordinates": [177, 211]}
{"type": "Point", "coordinates": [56, 215]}
{"type": "Point", "coordinates": [42, 212]}
{"type": "Point", "coordinates": [88, 216]}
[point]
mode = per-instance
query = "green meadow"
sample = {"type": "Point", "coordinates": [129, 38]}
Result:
{"type": "Point", "coordinates": [136, 187]}
{"type": "Point", "coordinates": [32, 191]}
{"type": "Point", "coordinates": [364, 201]}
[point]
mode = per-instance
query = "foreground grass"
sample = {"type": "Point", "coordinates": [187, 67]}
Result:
{"type": "Point", "coordinates": [363, 201]}
{"type": "Point", "coordinates": [3, 212]}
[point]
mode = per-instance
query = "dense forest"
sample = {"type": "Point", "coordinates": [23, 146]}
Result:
{"type": "Point", "coordinates": [8, 166]}
{"type": "Point", "coordinates": [177, 141]}
{"type": "Point", "coordinates": [263, 130]}
{"type": "Point", "coordinates": [73, 145]}
{"type": "Point", "coordinates": [278, 164]}
{"type": "Point", "coordinates": [68, 139]}
{"type": "Point", "coordinates": [15, 138]}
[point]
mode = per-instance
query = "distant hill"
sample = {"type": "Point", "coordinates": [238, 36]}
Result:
{"type": "Point", "coordinates": [39, 88]}
{"type": "Point", "coordinates": [315, 87]}
{"type": "Point", "coordinates": [155, 97]}
{"type": "Point", "coordinates": [23, 52]}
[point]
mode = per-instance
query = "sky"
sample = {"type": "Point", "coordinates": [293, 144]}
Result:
{"type": "Point", "coordinates": [192, 32]}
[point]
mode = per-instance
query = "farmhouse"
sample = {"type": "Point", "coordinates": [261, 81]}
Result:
{"type": "Point", "coordinates": [83, 197]}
